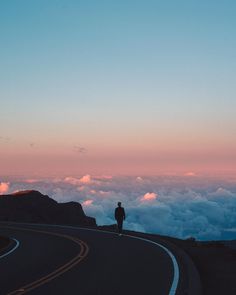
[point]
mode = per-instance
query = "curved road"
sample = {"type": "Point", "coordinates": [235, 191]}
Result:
{"type": "Point", "coordinates": [64, 260]}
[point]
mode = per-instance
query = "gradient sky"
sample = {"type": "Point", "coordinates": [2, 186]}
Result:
{"type": "Point", "coordinates": [117, 87]}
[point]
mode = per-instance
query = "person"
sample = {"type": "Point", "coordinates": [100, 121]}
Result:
{"type": "Point", "coordinates": [120, 217]}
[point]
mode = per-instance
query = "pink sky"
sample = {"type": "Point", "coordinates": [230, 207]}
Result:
{"type": "Point", "coordinates": [146, 160]}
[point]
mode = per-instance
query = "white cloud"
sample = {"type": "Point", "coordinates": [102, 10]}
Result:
{"type": "Point", "coordinates": [85, 179]}
{"type": "Point", "coordinates": [149, 197]}
{"type": "Point", "coordinates": [221, 192]}
{"type": "Point", "coordinates": [72, 180]}
{"type": "Point", "coordinates": [87, 203]}
{"type": "Point", "coordinates": [4, 187]}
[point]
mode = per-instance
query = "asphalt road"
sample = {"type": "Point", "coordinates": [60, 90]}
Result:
{"type": "Point", "coordinates": [55, 260]}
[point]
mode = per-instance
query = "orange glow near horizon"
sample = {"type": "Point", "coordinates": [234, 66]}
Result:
{"type": "Point", "coordinates": [132, 157]}
{"type": "Point", "coordinates": [126, 165]}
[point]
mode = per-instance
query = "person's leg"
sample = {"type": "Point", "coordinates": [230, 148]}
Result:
{"type": "Point", "coordinates": [120, 225]}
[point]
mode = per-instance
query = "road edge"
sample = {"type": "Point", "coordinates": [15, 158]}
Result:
{"type": "Point", "coordinates": [194, 284]}
{"type": "Point", "coordinates": [8, 249]}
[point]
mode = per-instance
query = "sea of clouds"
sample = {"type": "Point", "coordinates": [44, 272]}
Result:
{"type": "Point", "coordinates": [183, 207]}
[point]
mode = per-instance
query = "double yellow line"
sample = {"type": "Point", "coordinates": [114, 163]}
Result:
{"type": "Point", "coordinates": [84, 249]}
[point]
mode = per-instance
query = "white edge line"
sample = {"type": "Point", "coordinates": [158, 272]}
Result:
{"type": "Point", "coordinates": [13, 249]}
{"type": "Point", "coordinates": [174, 261]}
{"type": "Point", "coordinates": [174, 285]}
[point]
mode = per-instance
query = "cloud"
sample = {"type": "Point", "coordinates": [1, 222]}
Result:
{"type": "Point", "coordinates": [177, 206]}
{"type": "Point", "coordinates": [190, 173]}
{"type": "Point", "coordinates": [221, 192]}
{"type": "Point", "coordinates": [4, 187]}
{"type": "Point", "coordinates": [72, 180]}
{"type": "Point", "coordinates": [149, 197]}
{"type": "Point", "coordinates": [104, 177]}
{"type": "Point", "coordinates": [139, 179]}
{"type": "Point", "coordinates": [87, 203]}
{"type": "Point", "coordinates": [31, 180]}
{"type": "Point", "coordinates": [86, 179]}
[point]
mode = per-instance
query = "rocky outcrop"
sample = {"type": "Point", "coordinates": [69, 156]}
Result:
{"type": "Point", "coordinates": [34, 207]}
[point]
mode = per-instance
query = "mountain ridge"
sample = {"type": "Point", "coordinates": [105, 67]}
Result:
{"type": "Point", "coordinates": [34, 207]}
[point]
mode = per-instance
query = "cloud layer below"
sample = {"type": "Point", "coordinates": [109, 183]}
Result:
{"type": "Point", "coordinates": [169, 205]}
{"type": "Point", "coordinates": [4, 187]}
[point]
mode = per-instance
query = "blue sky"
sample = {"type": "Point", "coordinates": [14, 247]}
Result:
{"type": "Point", "coordinates": [103, 71]}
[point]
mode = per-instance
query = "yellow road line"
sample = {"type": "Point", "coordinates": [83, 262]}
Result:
{"type": "Point", "coordinates": [84, 249]}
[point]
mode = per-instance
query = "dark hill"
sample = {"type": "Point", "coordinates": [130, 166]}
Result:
{"type": "Point", "coordinates": [34, 207]}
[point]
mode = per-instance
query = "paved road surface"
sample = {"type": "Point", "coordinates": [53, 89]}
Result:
{"type": "Point", "coordinates": [56, 260]}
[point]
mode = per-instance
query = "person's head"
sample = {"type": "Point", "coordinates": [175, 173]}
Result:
{"type": "Point", "coordinates": [119, 204]}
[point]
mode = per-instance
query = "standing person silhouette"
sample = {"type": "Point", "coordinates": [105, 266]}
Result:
{"type": "Point", "coordinates": [120, 217]}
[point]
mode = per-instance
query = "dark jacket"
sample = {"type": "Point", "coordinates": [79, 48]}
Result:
{"type": "Point", "coordinates": [120, 213]}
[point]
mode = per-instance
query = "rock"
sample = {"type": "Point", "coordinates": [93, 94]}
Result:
{"type": "Point", "coordinates": [33, 207]}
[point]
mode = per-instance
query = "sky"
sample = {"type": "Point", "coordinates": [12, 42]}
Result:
{"type": "Point", "coordinates": [117, 87]}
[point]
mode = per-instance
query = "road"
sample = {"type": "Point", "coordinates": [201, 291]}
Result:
{"type": "Point", "coordinates": [61, 260]}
